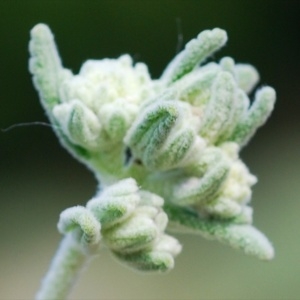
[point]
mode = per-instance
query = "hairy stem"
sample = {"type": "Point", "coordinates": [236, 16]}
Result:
{"type": "Point", "coordinates": [69, 260]}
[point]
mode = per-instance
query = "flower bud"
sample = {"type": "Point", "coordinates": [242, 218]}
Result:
{"type": "Point", "coordinates": [161, 137]}
{"type": "Point", "coordinates": [79, 124]}
{"type": "Point", "coordinates": [79, 218]}
{"type": "Point", "coordinates": [115, 203]}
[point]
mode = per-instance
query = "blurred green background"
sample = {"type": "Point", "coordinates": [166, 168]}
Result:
{"type": "Point", "coordinates": [39, 178]}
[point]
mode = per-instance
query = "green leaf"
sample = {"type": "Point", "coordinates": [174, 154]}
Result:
{"type": "Point", "coordinates": [45, 65]}
{"type": "Point", "coordinates": [256, 116]}
{"type": "Point", "coordinates": [243, 237]}
{"type": "Point", "coordinates": [195, 52]}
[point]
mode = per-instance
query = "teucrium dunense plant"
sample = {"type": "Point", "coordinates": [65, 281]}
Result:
{"type": "Point", "coordinates": [165, 153]}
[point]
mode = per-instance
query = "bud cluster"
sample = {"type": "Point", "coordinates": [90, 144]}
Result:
{"type": "Point", "coordinates": [131, 222]}
{"type": "Point", "coordinates": [177, 137]}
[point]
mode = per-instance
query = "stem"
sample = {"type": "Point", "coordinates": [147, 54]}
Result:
{"type": "Point", "coordinates": [64, 269]}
